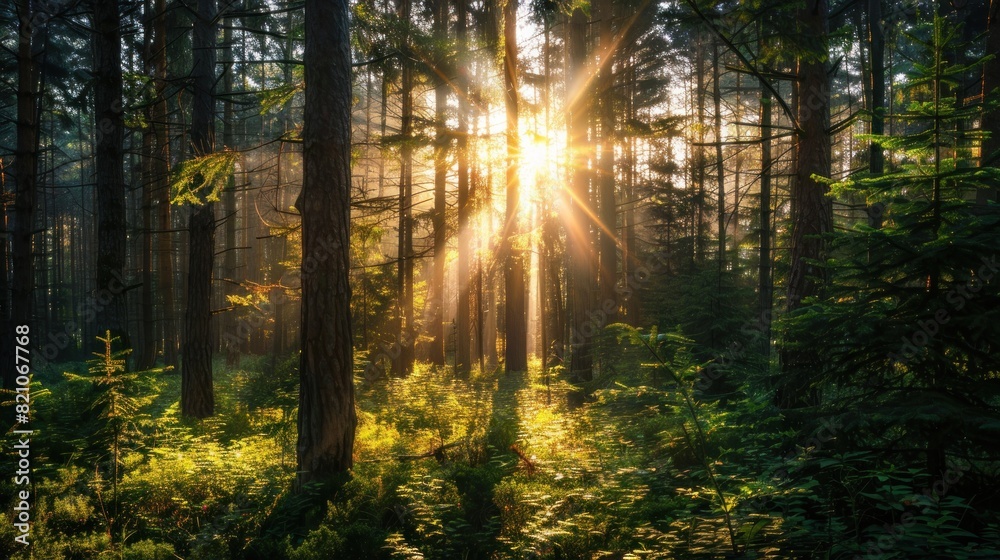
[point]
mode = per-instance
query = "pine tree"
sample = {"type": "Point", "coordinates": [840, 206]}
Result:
{"type": "Point", "coordinates": [910, 324]}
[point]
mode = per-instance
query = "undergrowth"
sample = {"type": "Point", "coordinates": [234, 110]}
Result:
{"type": "Point", "coordinates": [488, 467]}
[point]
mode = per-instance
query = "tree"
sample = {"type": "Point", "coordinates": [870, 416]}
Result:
{"type": "Point", "coordinates": [159, 169]}
{"type": "Point", "coordinates": [905, 325]}
{"type": "Point", "coordinates": [109, 158]}
{"type": "Point", "coordinates": [516, 348]}
{"type": "Point", "coordinates": [26, 175]}
{"type": "Point", "coordinates": [327, 418]}
{"type": "Point", "coordinates": [812, 214]}
{"type": "Point", "coordinates": [197, 398]}
{"type": "Point", "coordinates": [441, 144]}
{"type": "Point", "coordinates": [605, 196]}
{"type": "Point", "coordinates": [463, 340]}
{"type": "Point", "coordinates": [876, 47]}
{"type": "Point", "coordinates": [578, 223]}
{"type": "Point", "coordinates": [405, 328]}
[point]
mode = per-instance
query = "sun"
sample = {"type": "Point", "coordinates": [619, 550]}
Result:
{"type": "Point", "coordinates": [538, 164]}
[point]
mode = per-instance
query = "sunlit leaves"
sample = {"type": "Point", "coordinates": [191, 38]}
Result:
{"type": "Point", "coordinates": [202, 179]}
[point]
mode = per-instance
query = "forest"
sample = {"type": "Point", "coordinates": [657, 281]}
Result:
{"type": "Point", "coordinates": [500, 279]}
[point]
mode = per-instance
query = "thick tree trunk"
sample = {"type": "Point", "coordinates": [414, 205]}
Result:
{"type": "Point", "coordinates": [441, 142]}
{"type": "Point", "coordinates": [109, 161]}
{"type": "Point", "coordinates": [26, 189]}
{"type": "Point", "coordinates": [327, 417]}
{"type": "Point", "coordinates": [463, 343]}
{"type": "Point", "coordinates": [812, 215]}
{"type": "Point", "coordinates": [578, 225]}
{"type": "Point", "coordinates": [197, 398]}
{"type": "Point", "coordinates": [516, 347]}
{"type": "Point", "coordinates": [608, 231]}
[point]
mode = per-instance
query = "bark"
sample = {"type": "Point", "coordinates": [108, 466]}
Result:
{"type": "Point", "coordinates": [109, 155]}
{"type": "Point", "coordinates": [719, 169]}
{"type": "Point", "coordinates": [26, 188]}
{"type": "Point", "coordinates": [441, 143]}
{"type": "Point", "coordinates": [197, 399]}
{"type": "Point", "coordinates": [629, 254]}
{"type": "Point", "coordinates": [516, 347]}
{"type": "Point", "coordinates": [765, 287]}
{"type": "Point", "coordinates": [578, 224]}
{"type": "Point", "coordinates": [608, 231]}
{"type": "Point", "coordinates": [405, 332]}
{"type": "Point", "coordinates": [812, 214]}
{"type": "Point", "coordinates": [229, 199]}
{"type": "Point", "coordinates": [699, 153]}
{"type": "Point", "coordinates": [327, 417]}
{"type": "Point", "coordinates": [463, 344]}
{"type": "Point", "coordinates": [147, 347]}
{"type": "Point", "coordinates": [160, 170]}
{"type": "Point", "coordinates": [876, 45]}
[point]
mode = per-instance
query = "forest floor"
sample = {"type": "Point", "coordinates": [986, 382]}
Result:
{"type": "Point", "coordinates": [492, 466]}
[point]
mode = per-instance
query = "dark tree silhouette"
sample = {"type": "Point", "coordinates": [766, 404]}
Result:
{"type": "Point", "coordinates": [197, 399]}
{"type": "Point", "coordinates": [109, 153]}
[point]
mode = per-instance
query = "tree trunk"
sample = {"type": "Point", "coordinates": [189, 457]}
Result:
{"type": "Point", "coordinates": [26, 188]}
{"type": "Point", "coordinates": [147, 347]}
{"type": "Point", "coordinates": [516, 347]}
{"type": "Point", "coordinates": [812, 214]}
{"type": "Point", "coordinates": [109, 159]}
{"type": "Point", "coordinates": [608, 232]}
{"type": "Point", "coordinates": [160, 170]}
{"type": "Point", "coordinates": [327, 416]}
{"type": "Point", "coordinates": [197, 399]}
{"type": "Point", "coordinates": [229, 200]}
{"type": "Point", "coordinates": [578, 224]}
{"type": "Point", "coordinates": [405, 333]}
{"type": "Point", "coordinates": [441, 142]}
{"type": "Point", "coordinates": [463, 344]}
{"type": "Point", "coordinates": [720, 175]}
{"type": "Point", "coordinates": [765, 287]}
{"type": "Point", "coordinates": [876, 44]}
{"type": "Point", "coordinates": [698, 207]}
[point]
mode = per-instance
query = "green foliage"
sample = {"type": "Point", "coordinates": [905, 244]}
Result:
{"type": "Point", "coordinates": [148, 550]}
{"type": "Point", "coordinates": [910, 321]}
{"type": "Point", "coordinates": [907, 332]}
{"type": "Point", "coordinates": [201, 179]}
{"type": "Point", "coordinates": [277, 98]}
{"type": "Point", "coordinates": [118, 398]}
